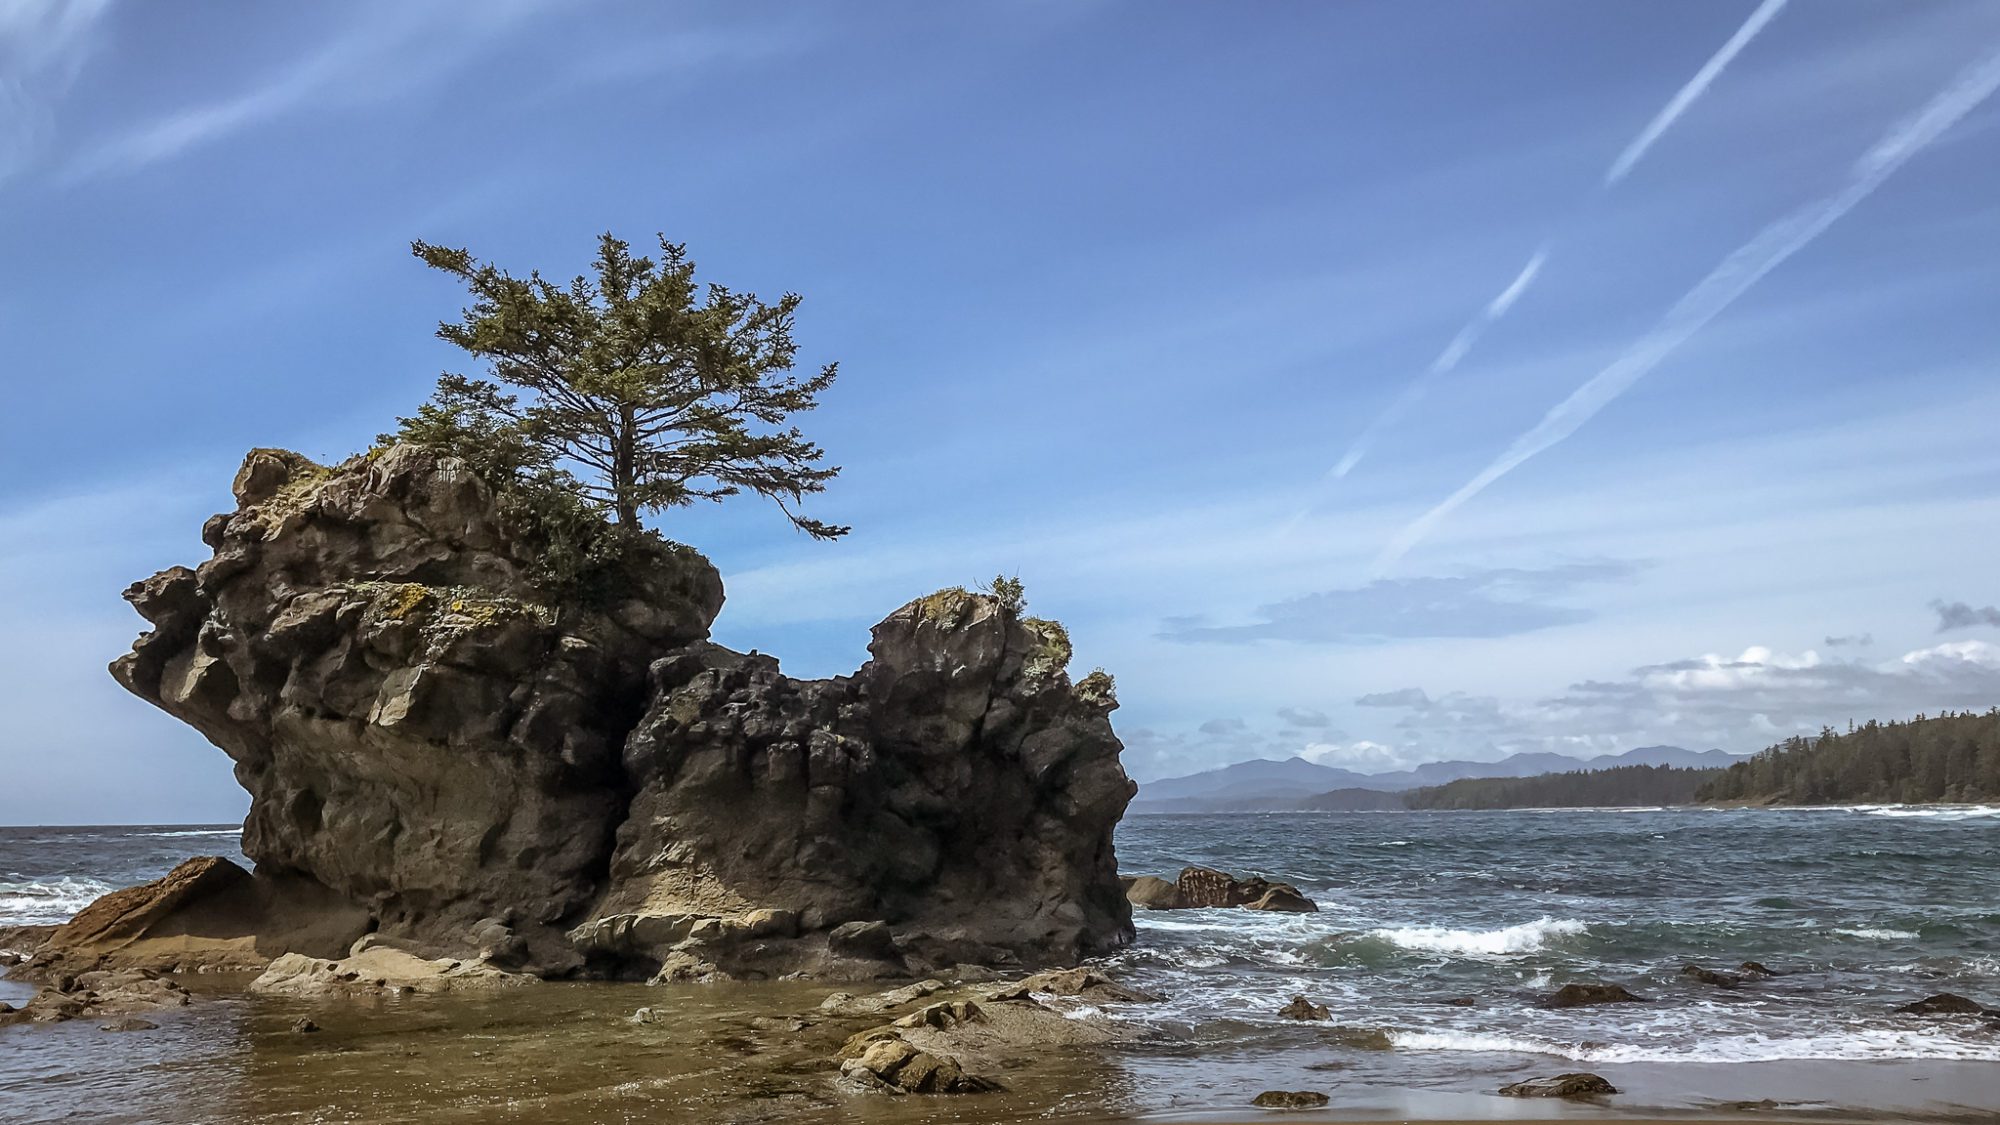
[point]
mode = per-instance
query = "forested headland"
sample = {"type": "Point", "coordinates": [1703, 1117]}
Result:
{"type": "Point", "coordinates": [1942, 758]}
{"type": "Point", "coordinates": [1621, 787]}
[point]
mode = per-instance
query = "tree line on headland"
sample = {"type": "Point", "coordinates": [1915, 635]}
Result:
{"type": "Point", "coordinates": [1948, 758]}
{"type": "Point", "coordinates": [1942, 758]}
{"type": "Point", "coordinates": [1619, 787]}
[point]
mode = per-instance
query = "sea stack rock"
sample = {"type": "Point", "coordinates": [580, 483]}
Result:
{"type": "Point", "coordinates": [562, 783]}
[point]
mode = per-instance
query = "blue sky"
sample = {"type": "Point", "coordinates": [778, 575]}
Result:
{"type": "Point", "coordinates": [1116, 289]}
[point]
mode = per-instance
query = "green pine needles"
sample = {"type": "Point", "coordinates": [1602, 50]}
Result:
{"type": "Point", "coordinates": [634, 389]}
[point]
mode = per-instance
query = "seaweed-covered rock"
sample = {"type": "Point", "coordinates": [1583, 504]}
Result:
{"type": "Point", "coordinates": [1577, 1085]}
{"type": "Point", "coordinates": [1712, 977]}
{"type": "Point", "coordinates": [1944, 1004]}
{"type": "Point", "coordinates": [1585, 995]}
{"type": "Point", "coordinates": [1301, 1008]}
{"type": "Point", "coordinates": [1289, 1099]}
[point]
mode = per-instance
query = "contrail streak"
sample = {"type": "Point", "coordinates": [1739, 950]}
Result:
{"type": "Point", "coordinates": [1461, 344]}
{"type": "Point", "coordinates": [1446, 360]}
{"type": "Point", "coordinates": [1679, 103]}
{"type": "Point", "coordinates": [1728, 281]}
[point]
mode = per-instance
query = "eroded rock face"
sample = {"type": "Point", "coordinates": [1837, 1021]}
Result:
{"type": "Point", "coordinates": [951, 802]}
{"type": "Point", "coordinates": [565, 786]}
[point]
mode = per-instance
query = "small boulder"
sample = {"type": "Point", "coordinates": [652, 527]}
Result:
{"type": "Point", "coordinates": [944, 1016]}
{"type": "Point", "coordinates": [128, 1023]}
{"type": "Point", "coordinates": [1081, 983]}
{"type": "Point", "coordinates": [1585, 995]}
{"type": "Point", "coordinates": [1757, 969]}
{"type": "Point", "coordinates": [1561, 1085]}
{"type": "Point", "coordinates": [868, 941]}
{"type": "Point", "coordinates": [1283, 897]}
{"type": "Point", "coordinates": [1289, 1099]}
{"type": "Point", "coordinates": [304, 1026]}
{"type": "Point", "coordinates": [1711, 977]}
{"type": "Point", "coordinates": [1150, 892]}
{"type": "Point", "coordinates": [1944, 1004]}
{"type": "Point", "coordinates": [1303, 1009]}
{"type": "Point", "coordinates": [891, 1065]}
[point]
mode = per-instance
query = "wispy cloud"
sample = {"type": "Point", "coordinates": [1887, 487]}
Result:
{"type": "Point", "coordinates": [1741, 270]}
{"type": "Point", "coordinates": [384, 50]}
{"type": "Point", "coordinates": [1959, 615]}
{"type": "Point", "coordinates": [43, 46]}
{"type": "Point", "coordinates": [1687, 95]}
{"type": "Point", "coordinates": [1442, 365]}
{"type": "Point", "coordinates": [1500, 602]}
{"type": "Point", "coordinates": [1739, 702]}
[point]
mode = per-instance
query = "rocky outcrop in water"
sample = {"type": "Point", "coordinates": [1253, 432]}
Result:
{"type": "Point", "coordinates": [585, 783]}
{"type": "Point", "coordinates": [1289, 1099]}
{"type": "Point", "coordinates": [1945, 1004]}
{"type": "Point", "coordinates": [1576, 1085]}
{"type": "Point", "coordinates": [1584, 995]}
{"type": "Point", "coordinates": [1300, 1008]}
{"type": "Point", "coordinates": [1199, 887]}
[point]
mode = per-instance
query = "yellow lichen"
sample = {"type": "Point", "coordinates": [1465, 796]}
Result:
{"type": "Point", "coordinates": [1052, 647]}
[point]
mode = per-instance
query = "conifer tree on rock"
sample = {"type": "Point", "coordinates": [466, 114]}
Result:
{"type": "Point", "coordinates": [636, 388]}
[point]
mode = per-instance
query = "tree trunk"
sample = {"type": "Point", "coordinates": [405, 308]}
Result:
{"type": "Point", "coordinates": [624, 470]}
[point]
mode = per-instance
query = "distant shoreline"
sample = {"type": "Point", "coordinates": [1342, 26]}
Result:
{"type": "Point", "coordinates": [1717, 806]}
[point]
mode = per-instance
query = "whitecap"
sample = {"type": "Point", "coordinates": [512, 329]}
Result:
{"type": "Point", "coordinates": [195, 832]}
{"type": "Point", "coordinates": [1866, 933]}
{"type": "Point", "coordinates": [1929, 812]}
{"type": "Point", "coordinates": [1524, 938]}
{"type": "Point", "coordinates": [36, 902]}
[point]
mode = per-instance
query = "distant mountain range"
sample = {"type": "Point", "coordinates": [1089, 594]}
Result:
{"type": "Point", "coordinates": [1266, 785]}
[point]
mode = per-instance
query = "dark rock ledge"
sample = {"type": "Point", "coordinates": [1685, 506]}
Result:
{"type": "Point", "coordinates": [441, 757]}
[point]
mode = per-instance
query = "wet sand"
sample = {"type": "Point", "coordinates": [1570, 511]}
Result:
{"type": "Point", "coordinates": [566, 1054]}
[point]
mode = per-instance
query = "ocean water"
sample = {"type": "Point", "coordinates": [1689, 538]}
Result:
{"type": "Point", "coordinates": [48, 874]}
{"type": "Point", "coordinates": [1437, 933]}
{"type": "Point", "coordinates": [1861, 909]}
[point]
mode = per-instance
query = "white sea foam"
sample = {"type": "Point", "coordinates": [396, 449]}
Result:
{"type": "Point", "coordinates": [1524, 938]}
{"type": "Point", "coordinates": [1855, 1044]}
{"type": "Point", "coordinates": [195, 832]}
{"type": "Point", "coordinates": [1866, 933]}
{"type": "Point", "coordinates": [1929, 812]}
{"type": "Point", "coordinates": [35, 902]}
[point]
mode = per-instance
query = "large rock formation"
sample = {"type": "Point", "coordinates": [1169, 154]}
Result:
{"type": "Point", "coordinates": [588, 783]}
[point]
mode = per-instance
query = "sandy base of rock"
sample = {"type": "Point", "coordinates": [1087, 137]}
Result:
{"type": "Point", "coordinates": [379, 970]}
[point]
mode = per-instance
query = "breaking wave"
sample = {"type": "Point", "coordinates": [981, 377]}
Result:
{"type": "Point", "coordinates": [1524, 938]}
{"type": "Point", "coordinates": [39, 902]}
